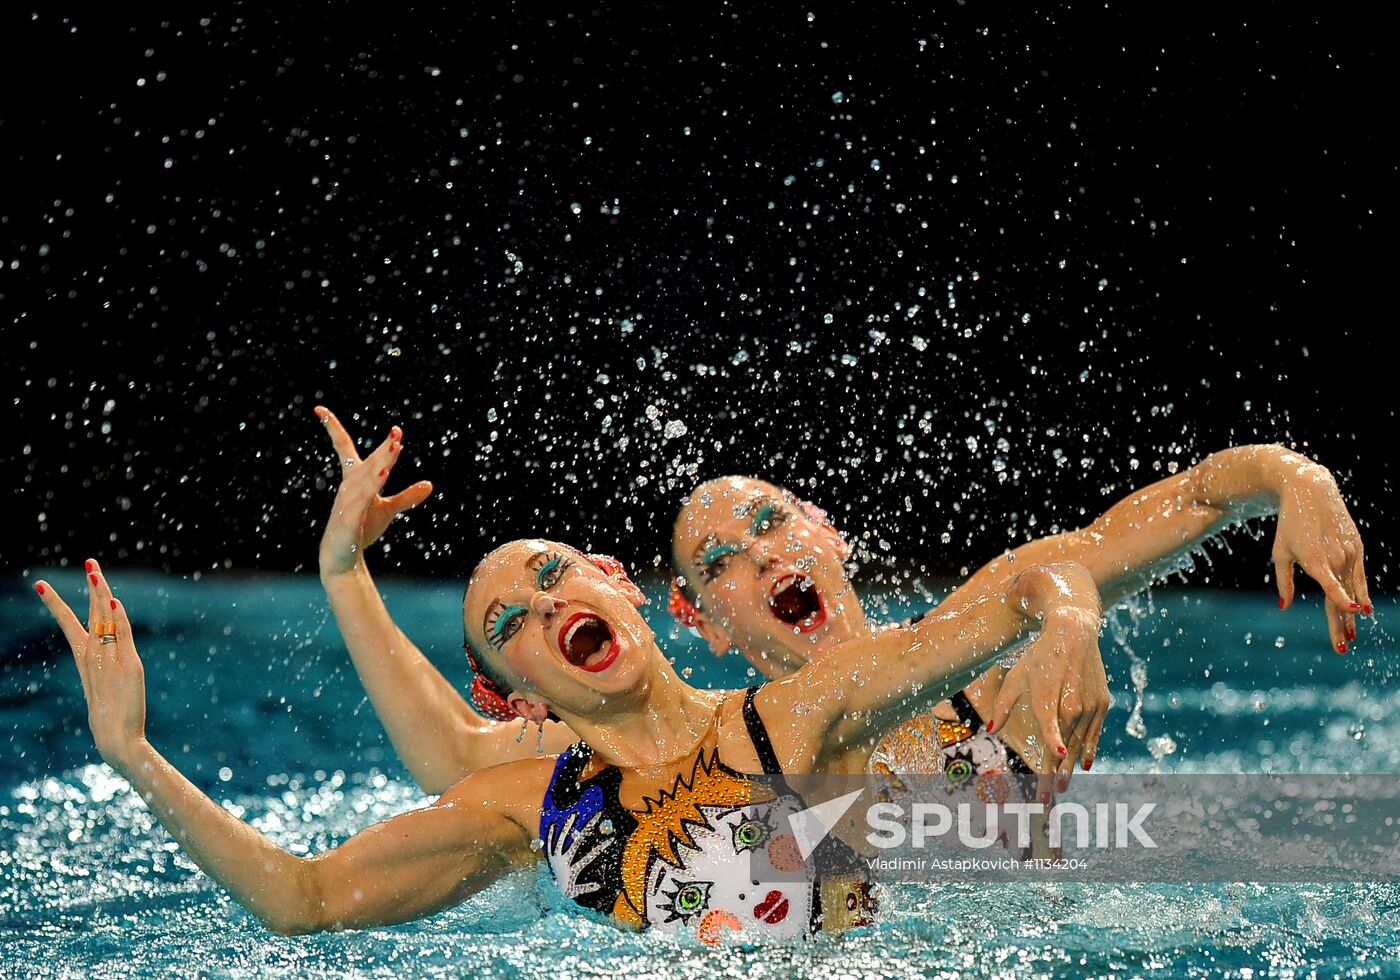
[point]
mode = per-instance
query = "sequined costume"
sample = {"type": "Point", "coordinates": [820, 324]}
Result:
{"type": "Point", "coordinates": [711, 854]}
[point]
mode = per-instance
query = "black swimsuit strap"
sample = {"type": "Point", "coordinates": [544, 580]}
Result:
{"type": "Point", "coordinates": [967, 714]}
{"type": "Point", "coordinates": [759, 735]}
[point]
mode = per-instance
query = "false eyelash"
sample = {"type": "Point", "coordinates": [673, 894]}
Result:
{"type": "Point", "coordinates": [509, 613]}
{"type": "Point", "coordinates": [553, 562]}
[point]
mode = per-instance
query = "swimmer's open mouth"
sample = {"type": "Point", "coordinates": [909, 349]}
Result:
{"type": "Point", "coordinates": [587, 642]}
{"type": "Point", "coordinates": [794, 599]}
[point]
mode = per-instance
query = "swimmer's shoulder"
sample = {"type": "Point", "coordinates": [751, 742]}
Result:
{"type": "Point", "coordinates": [512, 790]}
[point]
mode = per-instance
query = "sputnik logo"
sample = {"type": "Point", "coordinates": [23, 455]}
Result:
{"type": "Point", "coordinates": [810, 826]}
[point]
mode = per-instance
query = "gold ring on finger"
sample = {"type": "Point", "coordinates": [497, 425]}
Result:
{"type": "Point", "coordinates": [105, 630]}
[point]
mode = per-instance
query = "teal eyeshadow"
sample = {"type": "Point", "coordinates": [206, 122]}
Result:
{"type": "Point", "coordinates": [760, 518]}
{"type": "Point", "coordinates": [503, 620]}
{"type": "Point", "coordinates": [545, 569]}
{"type": "Point", "coordinates": [718, 551]}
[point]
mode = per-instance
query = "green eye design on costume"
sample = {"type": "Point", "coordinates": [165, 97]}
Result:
{"type": "Point", "coordinates": [688, 900]}
{"type": "Point", "coordinates": [749, 835]}
{"type": "Point", "coordinates": [958, 771]}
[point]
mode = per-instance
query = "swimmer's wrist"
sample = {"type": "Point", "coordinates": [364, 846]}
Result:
{"type": "Point", "coordinates": [1058, 589]}
{"type": "Point", "coordinates": [130, 759]}
{"type": "Point", "coordinates": [333, 571]}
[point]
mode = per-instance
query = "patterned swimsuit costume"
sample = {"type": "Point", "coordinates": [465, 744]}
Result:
{"type": "Point", "coordinates": [712, 854]}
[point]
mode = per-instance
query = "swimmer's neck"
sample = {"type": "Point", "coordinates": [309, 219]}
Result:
{"type": "Point", "coordinates": [779, 659]}
{"type": "Point", "coordinates": [663, 721]}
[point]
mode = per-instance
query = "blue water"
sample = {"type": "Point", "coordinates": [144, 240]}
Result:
{"type": "Point", "coordinates": [252, 695]}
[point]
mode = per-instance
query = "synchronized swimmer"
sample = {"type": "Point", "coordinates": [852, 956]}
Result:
{"type": "Point", "coordinates": [556, 640]}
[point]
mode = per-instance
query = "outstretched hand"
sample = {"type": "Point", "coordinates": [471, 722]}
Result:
{"type": "Point", "coordinates": [1061, 678]}
{"type": "Point", "coordinates": [360, 515]}
{"type": "Point", "coordinates": [114, 682]}
{"type": "Point", "coordinates": [1316, 532]}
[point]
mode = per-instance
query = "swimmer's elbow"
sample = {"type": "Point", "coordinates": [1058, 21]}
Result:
{"type": "Point", "coordinates": [302, 911]}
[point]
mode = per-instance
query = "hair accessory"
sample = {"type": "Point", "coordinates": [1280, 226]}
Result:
{"type": "Point", "coordinates": [613, 568]}
{"type": "Point", "coordinates": [679, 606]}
{"type": "Point", "coordinates": [486, 695]}
{"type": "Point", "coordinates": [818, 516]}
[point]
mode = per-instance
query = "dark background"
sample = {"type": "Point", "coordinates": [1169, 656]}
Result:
{"type": "Point", "coordinates": [959, 276]}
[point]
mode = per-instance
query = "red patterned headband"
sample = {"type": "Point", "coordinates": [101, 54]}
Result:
{"type": "Point", "coordinates": [486, 695]}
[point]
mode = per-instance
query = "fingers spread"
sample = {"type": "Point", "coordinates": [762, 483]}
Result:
{"type": "Point", "coordinates": [1001, 708]}
{"type": "Point", "coordinates": [94, 613]}
{"type": "Point", "coordinates": [410, 498]}
{"type": "Point", "coordinates": [125, 646]}
{"type": "Point", "coordinates": [340, 439]}
{"type": "Point", "coordinates": [1283, 574]}
{"type": "Point", "coordinates": [1358, 584]}
{"type": "Point", "coordinates": [1332, 587]}
{"type": "Point", "coordinates": [1336, 626]}
{"type": "Point", "coordinates": [72, 628]}
{"type": "Point", "coordinates": [1090, 750]}
{"type": "Point", "coordinates": [1046, 711]}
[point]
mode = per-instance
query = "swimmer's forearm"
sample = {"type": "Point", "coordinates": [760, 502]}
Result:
{"type": "Point", "coordinates": [887, 679]}
{"type": "Point", "coordinates": [1143, 535]}
{"type": "Point", "coordinates": [397, 870]}
{"type": "Point", "coordinates": [429, 724]}
{"type": "Point", "coordinates": [262, 877]}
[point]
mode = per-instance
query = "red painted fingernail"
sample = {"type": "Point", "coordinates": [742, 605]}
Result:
{"type": "Point", "coordinates": [1062, 785]}
{"type": "Point", "coordinates": [1368, 609]}
{"type": "Point", "coordinates": [114, 603]}
{"type": "Point", "coordinates": [1062, 750]}
{"type": "Point", "coordinates": [88, 564]}
{"type": "Point", "coordinates": [383, 474]}
{"type": "Point", "coordinates": [1351, 633]}
{"type": "Point", "coordinates": [1280, 602]}
{"type": "Point", "coordinates": [991, 725]}
{"type": "Point", "coordinates": [39, 587]}
{"type": "Point", "coordinates": [1088, 765]}
{"type": "Point", "coordinates": [1356, 607]}
{"type": "Point", "coordinates": [94, 579]}
{"type": "Point", "coordinates": [1341, 648]}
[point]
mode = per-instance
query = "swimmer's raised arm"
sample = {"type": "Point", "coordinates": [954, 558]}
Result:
{"type": "Point", "coordinates": [1142, 535]}
{"type": "Point", "coordinates": [401, 869]}
{"type": "Point", "coordinates": [435, 733]}
{"type": "Point", "coordinates": [871, 684]}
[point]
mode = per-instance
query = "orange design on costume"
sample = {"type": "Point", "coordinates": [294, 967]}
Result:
{"type": "Point", "coordinates": [783, 853]}
{"type": "Point", "coordinates": [662, 826]}
{"type": "Point", "coordinates": [993, 787]}
{"type": "Point", "coordinates": [714, 923]}
{"type": "Point", "coordinates": [950, 732]}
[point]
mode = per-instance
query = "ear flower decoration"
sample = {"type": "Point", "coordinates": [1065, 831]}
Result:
{"type": "Point", "coordinates": [613, 568]}
{"type": "Point", "coordinates": [819, 517]}
{"type": "Point", "coordinates": [680, 607]}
